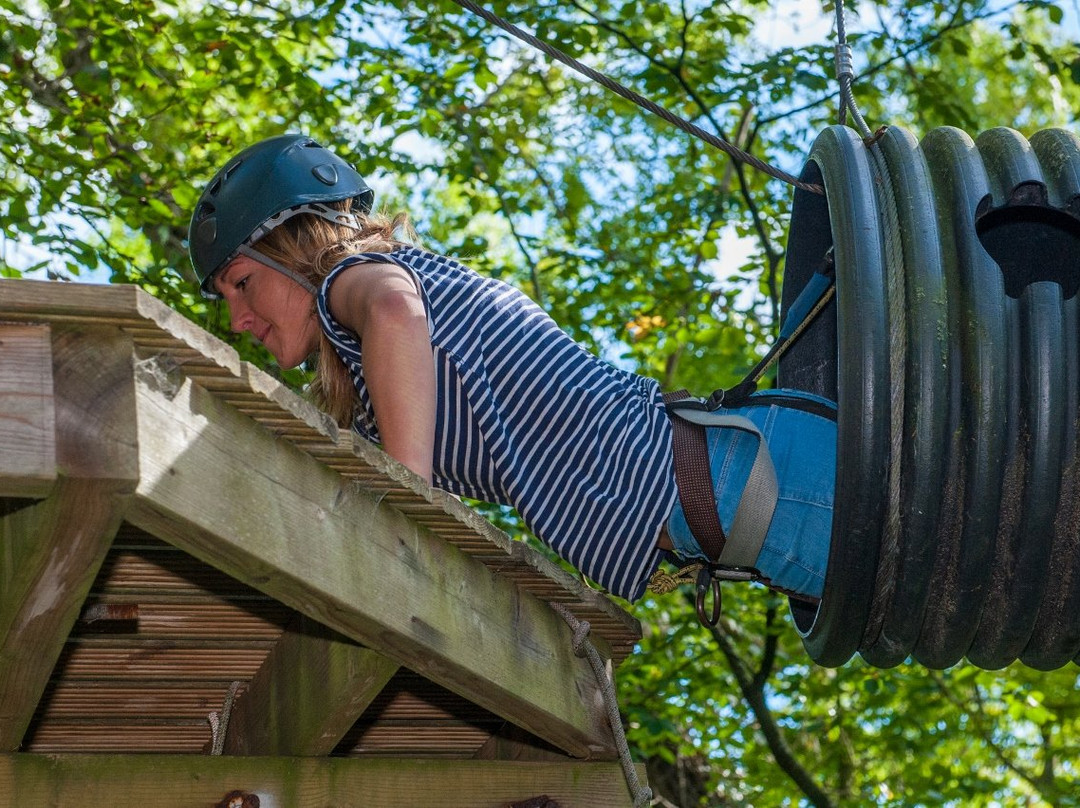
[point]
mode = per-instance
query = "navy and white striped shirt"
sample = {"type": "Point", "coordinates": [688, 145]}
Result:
{"type": "Point", "coordinates": [527, 417]}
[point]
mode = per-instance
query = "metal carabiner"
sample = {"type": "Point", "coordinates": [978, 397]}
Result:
{"type": "Point", "coordinates": [706, 581]}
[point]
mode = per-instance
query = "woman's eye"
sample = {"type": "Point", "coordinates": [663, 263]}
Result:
{"type": "Point", "coordinates": [240, 284]}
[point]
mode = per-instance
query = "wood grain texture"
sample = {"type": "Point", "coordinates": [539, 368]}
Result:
{"type": "Point", "coordinates": [27, 436]}
{"type": "Point", "coordinates": [171, 781]}
{"type": "Point", "coordinates": [167, 342]}
{"type": "Point", "coordinates": [267, 514]}
{"type": "Point", "coordinates": [308, 693]}
{"type": "Point", "coordinates": [52, 550]}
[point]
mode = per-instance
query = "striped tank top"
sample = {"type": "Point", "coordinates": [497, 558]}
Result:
{"type": "Point", "coordinates": [527, 417]}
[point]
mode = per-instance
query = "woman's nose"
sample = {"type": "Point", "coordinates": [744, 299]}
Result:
{"type": "Point", "coordinates": [240, 316]}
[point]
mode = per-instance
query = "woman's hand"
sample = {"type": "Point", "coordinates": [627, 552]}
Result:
{"type": "Point", "coordinates": [382, 305]}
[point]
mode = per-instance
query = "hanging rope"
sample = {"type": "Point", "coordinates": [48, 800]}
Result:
{"type": "Point", "coordinates": [583, 648]}
{"type": "Point", "coordinates": [219, 722]}
{"type": "Point", "coordinates": [845, 75]}
{"type": "Point", "coordinates": [617, 88]}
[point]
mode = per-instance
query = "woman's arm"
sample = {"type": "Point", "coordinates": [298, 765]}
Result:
{"type": "Point", "coordinates": [381, 304]}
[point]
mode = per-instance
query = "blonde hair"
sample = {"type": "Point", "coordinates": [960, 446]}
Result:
{"type": "Point", "coordinates": [312, 246]}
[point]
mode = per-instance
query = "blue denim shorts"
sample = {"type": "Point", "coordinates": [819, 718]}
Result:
{"type": "Point", "coordinates": [802, 445]}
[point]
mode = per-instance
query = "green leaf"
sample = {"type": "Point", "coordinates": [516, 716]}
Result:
{"type": "Point", "coordinates": [536, 175]}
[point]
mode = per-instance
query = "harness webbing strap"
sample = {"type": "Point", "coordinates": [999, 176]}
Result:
{"type": "Point", "coordinates": [694, 481]}
{"type": "Point", "coordinates": [754, 513]}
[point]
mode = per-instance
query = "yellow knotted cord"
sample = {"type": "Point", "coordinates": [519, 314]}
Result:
{"type": "Point", "coordinates": [663, 582]}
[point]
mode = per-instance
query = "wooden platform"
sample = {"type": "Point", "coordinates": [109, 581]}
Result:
{"type": "Point", "coordinates": [176, 523]}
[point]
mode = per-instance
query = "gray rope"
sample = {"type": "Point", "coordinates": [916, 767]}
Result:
{"type": "Point", "coordinates": [619, 89]}
{"type": "Point", "coordinates": [219, 722]}
{"type": "Point", "coordinates": [583, 648]}
{"type": "Point", "coordinates": [845, 75]}
{"type": "Point", "coordinates": [886, 579]}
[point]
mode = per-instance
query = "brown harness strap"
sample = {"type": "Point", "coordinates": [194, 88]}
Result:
{"type": "Point", "coordinates": [694, 481]}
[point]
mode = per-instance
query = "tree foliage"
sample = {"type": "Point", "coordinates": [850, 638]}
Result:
{"type": "Point", "coordinates": [619, 225]}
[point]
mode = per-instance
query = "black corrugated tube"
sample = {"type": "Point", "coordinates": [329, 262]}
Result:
{"type": "Point", "coordinates": [953, 351]}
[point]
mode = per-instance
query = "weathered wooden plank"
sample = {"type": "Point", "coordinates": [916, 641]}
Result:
{"type": "Point", "coordinates": [161, 333]}
{"type": "Point", "coordinates": [34, 298]}
{"type": "Point", "coordinates": [49, 555]}
{"type": "Point", "coordinates": [216, 485]}
{"type": "Point", "coordinates": [181, 781]}
{"type": "Point", "coordinates": [51, 551]}
{"type": "Point", "coordinates": [95, 404]}
{"type": "Point", "coordinates": [511, 743]}
{"type": "Point", "coordinates": [27, 439]}
{"type": "Point", "coordinates": [129, 306]}
{"type": "Point", "coordinates": [308, 693]}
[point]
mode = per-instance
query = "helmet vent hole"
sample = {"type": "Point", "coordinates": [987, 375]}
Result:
{"type": "Point", "coordinates": [228, 172]}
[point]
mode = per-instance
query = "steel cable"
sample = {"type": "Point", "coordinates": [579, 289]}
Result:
{"type": "Point", "coordinates": [625, 92]}
{"type": "Point", "coordinates": [845, 76]}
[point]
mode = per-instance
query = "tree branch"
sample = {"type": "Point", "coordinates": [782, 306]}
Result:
{"type": "Point", "coordinates": [953, 25]}
{"type": "Point", "coordinates": [1048, 788]}
{"type": "Point", "coordinates": [768, 656]}
{"type": "Point", "coordinates": [773, 255]}
{"type": "Point", "coordinates": [754, 694]}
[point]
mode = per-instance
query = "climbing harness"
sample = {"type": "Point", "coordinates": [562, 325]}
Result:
{"type": "Point", "coordinates": [635, 98]}
{"type": "Point", "coordinates": [751, 499]}
{"type": "Point", "coordinates": [642, 795]}
{"type": "Point", "coordinates": [816, 296]}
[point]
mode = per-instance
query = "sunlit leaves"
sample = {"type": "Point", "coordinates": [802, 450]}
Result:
{"type": "Point", "coordinates": [620, 225]}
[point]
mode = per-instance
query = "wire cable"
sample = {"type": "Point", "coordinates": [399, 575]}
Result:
{"type": "Point", "coordinates": [625, 92]}
{"type": "Point", "coordinates": [845, 75]}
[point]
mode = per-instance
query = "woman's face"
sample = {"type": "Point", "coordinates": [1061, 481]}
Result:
{"type": "Point", "coordinates": [277, 311]}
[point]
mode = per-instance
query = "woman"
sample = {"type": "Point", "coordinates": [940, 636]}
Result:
{"type": "Point", "coordinates": [461, 378]}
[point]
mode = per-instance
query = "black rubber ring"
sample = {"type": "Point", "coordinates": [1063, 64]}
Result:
{"type": "Point", "coordinates": [839, 158]}
{"type": "Point", "coordinates": [925, 392]}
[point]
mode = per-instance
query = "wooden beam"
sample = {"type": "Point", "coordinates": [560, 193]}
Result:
{"type": "Point", "coordinates": [308, 693]}
{"type": "Point", "coordinates": [51, 551]}
{"type": "Point", "coordinates": [181, 781]}
{"type": "Point", "coordinates": [28, 459]}
{"type": "Point", "coordinates": [513, 743]}
{"type": "Point", "coordinates": [159, 332]}
{"type": "Point", "coordinates": [95, 404]}
{"type": "Point", "coordinates": [128, 306]}
{"type": "Point", "coordinates": [220, 487]}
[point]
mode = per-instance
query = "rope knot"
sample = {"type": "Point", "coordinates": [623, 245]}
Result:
{"type": "Point", "coordinates": [661, 582]}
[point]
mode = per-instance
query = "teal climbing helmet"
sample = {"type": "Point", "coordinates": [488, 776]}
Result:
{"type": "Point", "coordinates": [260, 188]}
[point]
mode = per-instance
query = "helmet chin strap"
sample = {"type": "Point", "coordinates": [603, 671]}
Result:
{"type": "Point", "coordinates": [345, 218]}
{"type": "Point", "coordinates": [255, 255]}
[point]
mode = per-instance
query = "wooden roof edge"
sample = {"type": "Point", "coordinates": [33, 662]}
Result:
{"type": "Point", "coordinates": [131, 308]}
